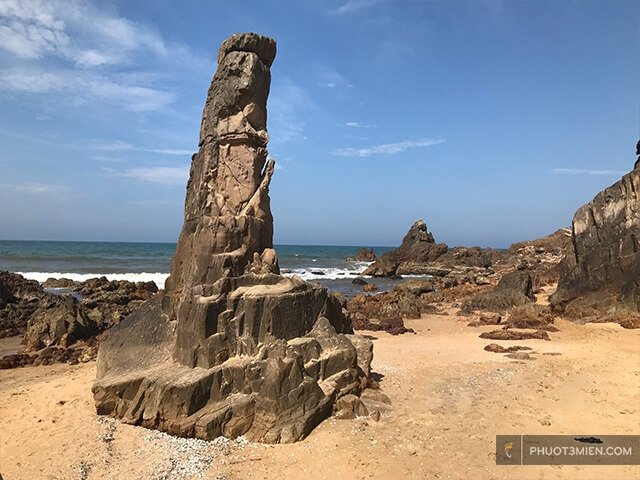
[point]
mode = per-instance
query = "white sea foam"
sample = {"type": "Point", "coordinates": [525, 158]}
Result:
{"type": "Point", "coordinates": [355, 269]}
{"type": "Point", "coordinates": [327, 273]}
{"type": "Point", "coordinates": [157, 277]}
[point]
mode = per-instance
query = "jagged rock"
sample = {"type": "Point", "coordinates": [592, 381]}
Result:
{"type": "Point", "coordinates": [415, 287]}
{"type": "Point", "coordinates": [531, 315]}
{"type": "Point", "coordinates": [513, 289]}
{"type": "Point", "coordinates": [389, 324]}
{"type": "Point", "coordinates": [418, 246]}
{"type": "Point", "coordinates": [108, 302]}
{"type": "Point", "coordinates": [19, 299]}
{"type": "Point", "coordinates": [14, 287]}
{"type": "Point", "coordinates": [232, 348]}
{"type": "Point", "coordinates": [486, 319]}
{"type": "Point", "coordinates": [53, 320]}
{"type": "Point", "coordinates": [541, 256]}
{"type": "Point", "coordinates": [369, 287]}
{"type": "Point", "coordinates": [350, 406]}
{"type": "Point", "coordinates": [477, 257]}
{"type": "Point", "coordinates": [515, 335]}
{"type": "Point", "coordinates": [58, 321]}
{"type": "Point", "coordinates": [601, 276]}
{"type": "Point", "coordinates": [365, 255]}
{"type": "Point", "coordinates": [59, 283]}
{"type": "Point", "coordinates": [16, 360]}
{"type": "Point", "coordinates": [359, 281]}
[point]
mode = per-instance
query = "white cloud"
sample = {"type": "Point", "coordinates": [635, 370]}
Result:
{"type": "Point", "coordinates": [387, 148]}
{"type": "Point", "coordinates": [35, 188]}
{"type": "Point", "coordinates": [120, 146]}
{"type": "Point", "coordinates": [352, 6]}
{"type": "Point", "coordinates": [287, 105]}
{"type": "Point", "coordinates": [331, 78]}
{"type": "Point", "coordinates": [78, 32]}
{"type": "Point", "coordinates": [358, 125]}
{"type": "Point", "coordinates": [90, 46]}
{"type": "Point", "coordinates": [162, 175]}
{"type": "Point", "coordinates": [580, 171]}
{"type": "Point", "coordinates": [85, 87]}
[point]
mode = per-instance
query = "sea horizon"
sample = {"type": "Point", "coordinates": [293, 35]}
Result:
{"type": "Point", "coordinates": [333, 266]}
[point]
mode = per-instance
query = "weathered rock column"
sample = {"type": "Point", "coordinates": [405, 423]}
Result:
{"type": "Point", "coordinates": [235, 348]}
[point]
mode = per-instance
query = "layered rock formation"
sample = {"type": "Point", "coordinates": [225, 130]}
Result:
{"type": "Point", "coordinates": [418, 247]}
{"type": "Point", "coordinates": [601, 276]}
{"type": "Point", "coordinates": [233, 348]}
{"type": "Point", "coordinates": [419, 254]}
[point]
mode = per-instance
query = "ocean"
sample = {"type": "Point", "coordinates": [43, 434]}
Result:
{"type": "Point", "coordinates": [330, 266]}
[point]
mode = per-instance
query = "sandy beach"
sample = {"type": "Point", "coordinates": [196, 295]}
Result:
{"type": "Point", "coordinates": [449, 400]}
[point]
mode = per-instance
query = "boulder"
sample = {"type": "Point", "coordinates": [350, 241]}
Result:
{"type": "Point", "coordinates": [513, 289]}
{"type": "Point", "coordinates": [19, 299]}
{"type": "Point", "coordinates": [232, 347]}
{"type": "Point", "coordinates": [515, 335]}
{"type": "Point", "coordinates": [59, 283]}
{"type": "Point", "coordinates": [531, 315]}
{"type": "Point", "coordinates": [365, 255]}
{"type": "Point", "coordinates": [601, 276]}
{"type": "Point", "coordinates": [495, 348]}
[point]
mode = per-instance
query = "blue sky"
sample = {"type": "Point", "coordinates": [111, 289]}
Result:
{"type": "Point", "coordinates": [492, 120]}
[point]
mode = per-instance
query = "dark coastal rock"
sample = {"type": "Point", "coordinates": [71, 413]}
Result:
{"type": "Point", "coordinates": [515, 335]}
{"type": "Point", "coordinates": [59, 283]}
{"type": "Point", "coordinates": [19, 299]}
{"type": "Point", "coordinates": [14, 287]}
{"type": "Point", "coordinates": [531, 315]}
{"type": "Point", "coordinates": [359, 281]}
{"type": "Point", "coordinates": [601, 276]}
{"type": "Point", "coordinates": [232, 348]}
{"type": "Point", "coordinates": [418, 246]}
{"type": "Point", "coordinates": [481, 258]}
{"type": "Point", "coordinates": [369, 287]}
{"type": "Point", "coordinates": [365, 255]}
{"type": "Point", "coordinates": [16, 360]}
{"type": "Point", "coordinates": [541, 256]}
{"type": "Point", "coordinates": [390, 324]}
{"type": "Point", "coordinates": [415, 287]}
{"type": "Point", "coordinates": [48, 320]}
{"type": "Point", "coordinates": [513, 289]}
{"type": "Point", "coordinates": [486, 319]}
{"type": "Point", "coordinates": [58, 321]}
{"type": "Point", "coordinates": [109, 302]}
{"type": "Point", "coordinates": [495, 348]}
{"type": "Point", "coordinates": [386, 310]}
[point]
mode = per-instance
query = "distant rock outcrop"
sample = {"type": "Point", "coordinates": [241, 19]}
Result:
{"type": "Point", "coordinates": [418, 247]}
{"type": "Point", "coordinates": [365, 255]}
{"type": "Point", "coordinates": [601, 276]}
{"type": "Point", "coordinates": [232, 348]}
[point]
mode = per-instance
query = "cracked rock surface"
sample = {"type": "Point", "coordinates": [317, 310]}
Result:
{"type": "Point", "coordinates": [232, 348]}
{"type": "Point", "coordinates": [601, 276]}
